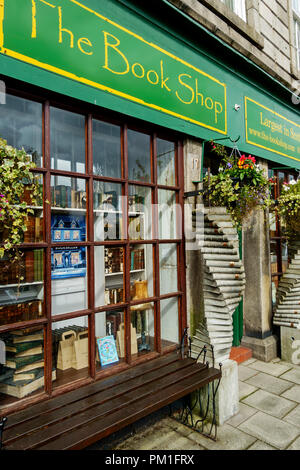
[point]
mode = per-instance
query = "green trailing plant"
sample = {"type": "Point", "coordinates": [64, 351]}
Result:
{"type": "Point", "coordinates": [289, 208]}
{"type": "Point", "coordinates": [240, 185]}
{"type": "Point", "coordinates": [19, 190]}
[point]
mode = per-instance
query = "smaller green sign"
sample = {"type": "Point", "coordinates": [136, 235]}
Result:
{"type": "Point", "coordinates": [272, 131]}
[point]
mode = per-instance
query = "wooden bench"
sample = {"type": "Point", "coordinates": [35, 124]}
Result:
{"type": "Point", "coordinates": [83, 416]}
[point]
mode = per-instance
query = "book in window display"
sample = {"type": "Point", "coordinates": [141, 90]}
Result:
{"type": "Point", "coordinates": [23, 372]}
{"type": "Point", "coordinates": [68, 261]}
{"type": "Point", "coordinates": [107, 350]}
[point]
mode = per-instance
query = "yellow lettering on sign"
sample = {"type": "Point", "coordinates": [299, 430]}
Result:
{"type": "Point", "coordinates": [114, 46]}
{"type": "Point", "coordinates": [186, 86]}
{"type": "Point", "coordinates": [33, 15]}
{"type": "Point", "coordinates": [141, 68]}
{"type": "Point", "coordinates": [163, 80]}
{"type": "Point", "coordinates": [198, 94]}
{"type": "Point", "coordinates": [153, 73]}
{"type": "Point", "coordinates": [84, 41]}
{"type": "Point", "coordinates": [218, 110]}
{"type": "Point", "coordinates": [64, 30]}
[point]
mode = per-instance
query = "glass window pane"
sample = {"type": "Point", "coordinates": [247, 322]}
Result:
{"type": "Point", "coordinates": [142, 320]}
{"type": "Point", "coordinates": [35, 228]}
{"type": "Point", "coordinates": [68, 279]}
{"type": "Point", "coordinates": [70, 345]}
{"type": "Point", "coordinates": [273, 253]}
{"type": "Point", "coordinates": [168, 268]}
{"type": "Point", "coordinates": [25, 301]}
{"type": "Point", "coordinates": [165, 162]}
{"type": "Point", "coordinates": [140, 213]}
{"type": "Point", "coordinates": [167, 214]}
{"type": "Point", "coordinates": [285, 257]}
{"type": "Point", "coordinates": [68, 209]}
{"type": "Point", "coordinates": [169, 321]}
{"type": "Point", "coordinates": [109, 275]}
{"type": "Point", "coordinates": [141, 271]}
{"type": "Point", "coordinates": [106, 149]}
{"type": "Point", "coordinates": [107, 211]}
{"type": "Point", "coordinates": [67, 140]}
{"type": "Point", "coordinates": [281, 177]}
{"type": "Point", "coordinates": [23, 373]}
{"type": "Point", "coordinates": [110, 339]}
{"type": "Point", "coordinates": [21, 125]}
{"type": "Point", "coordinates": [139, 160]}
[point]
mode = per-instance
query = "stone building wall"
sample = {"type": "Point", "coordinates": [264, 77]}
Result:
{"type": "Point", "coordinates": [267, 38]}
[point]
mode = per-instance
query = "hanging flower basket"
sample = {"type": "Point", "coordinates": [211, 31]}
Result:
{"type": "Point", "coordinates": [240, 185]}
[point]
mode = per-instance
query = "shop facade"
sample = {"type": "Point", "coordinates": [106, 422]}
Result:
{"type": "Point", "coordinates": [115, 106]}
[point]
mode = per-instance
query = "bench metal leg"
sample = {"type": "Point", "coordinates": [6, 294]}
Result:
{"type": "Point", "coordinates": [186, 415]}
{"type": "Point", "coordinates": [2, 424]}
{"type": "Point", "coordinates": [202, 404]}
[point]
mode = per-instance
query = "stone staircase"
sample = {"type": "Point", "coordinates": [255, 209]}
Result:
{"type": "Point", "coordinates": [223, 282]}
{"type": "Point", "coordinates": [287, 311]}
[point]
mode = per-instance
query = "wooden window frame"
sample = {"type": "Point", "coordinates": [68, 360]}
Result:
{"type": "Point", "coordinates": [91, 112]}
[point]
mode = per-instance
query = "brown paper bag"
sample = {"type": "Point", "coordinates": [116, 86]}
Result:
{"type": "Point", "coordinates": [120, 340]}
{"type": "Point", "coordinates": [81, 351]}
{"type": "Point", "coordinates": [66, 350]}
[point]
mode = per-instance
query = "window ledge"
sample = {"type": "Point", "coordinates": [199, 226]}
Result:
{"type": "Point", "coordinates": [193, 9]}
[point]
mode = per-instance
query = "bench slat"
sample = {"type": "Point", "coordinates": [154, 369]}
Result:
{"type": "Point", "coordinates": [72, 396]}
{"type": "Point", "coordinates": [92, 432]}
{"type": "Point", "coordinates": [91, 401]}
{"type": "Point", "coordinates": [111, 405]}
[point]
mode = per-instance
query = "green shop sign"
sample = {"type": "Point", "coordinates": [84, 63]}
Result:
{"type": "Point", "coordinates": [270, 130]}
{"type": "Point", "coordinates": [69, 39]}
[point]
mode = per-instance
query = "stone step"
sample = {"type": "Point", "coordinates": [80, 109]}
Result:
{"type": "Point", "coordinates": [219, 251]}
{"type": "Point", "coordinates": [223, 263]}
{"type": "Point", "coordinates": [214, 270]}
{"type": "Point", "coordinates": [227, 276]}
{"type": "Point", "coordinates": [218, 322]}
{"type": "Point", "coordinates": [217, 244]}
{"type": "Point", "coordinates": [220, 257]}
{"type": "Point", "coordinates": [219, 217]}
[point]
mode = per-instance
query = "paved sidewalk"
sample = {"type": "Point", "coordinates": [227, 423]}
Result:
{"type": "Point", "coordinates": [269, 416]}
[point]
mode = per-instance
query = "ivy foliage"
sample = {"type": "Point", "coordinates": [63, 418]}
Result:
{"type": "Point", "coordinates": [19, 190]}
{"type": "Point", "coordinates": [289, 208]}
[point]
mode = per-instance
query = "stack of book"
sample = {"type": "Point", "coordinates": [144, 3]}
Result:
{"type": "Point", "coordinates": [137, 259]}
{"type": "Point", "coordinates": [64, 196]}
{"type": "Point", "coordinates": [26, 310]}
{"type": "Point", "coordinates": [34, 232]}
{"type": "Point", "coordinates": [24, 369]}
{"type": "Point", "coordinates": [30, 268]}
{"type": "Point", "coordinates": [113, 258]}
{"type": "Point", "coordinates": [113, 295]}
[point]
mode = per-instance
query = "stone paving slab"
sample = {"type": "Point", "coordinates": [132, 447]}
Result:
{"type": "Point", "coordinates": [295, 445]}
{"type": "Point", "coordinates": [245, 373]}
{"type": "Point", "coordinates": [245, 389]}
{"type": "Point", "coordinates": [249, 361]}
{"type": "Point", "coordinates": [228, 438]}
{"type": "Point", "coordinates": [271, 430]}
{"type": "Point", "coordinates": [275, 369]}
{"type": "Point", "coordinates": [292, 375]}
{"type": "Point", "coordinates": [269, 403]}
{"type": "Point", "coordinates": [244, 413]}
{"type": "Point", "coordinates": [294, 416]}
{"type": "Point", "coordinates": [293, 393]}
{"type": "Point", "coordinates": [259, 445]}
{"type": "Point", "coordinates": [270, 383]}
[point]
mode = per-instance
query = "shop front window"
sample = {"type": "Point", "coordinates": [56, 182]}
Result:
{"type": "Point", "coordinates": [279, 249]}
{"type": "Point", "coordinates": [99, 275]}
